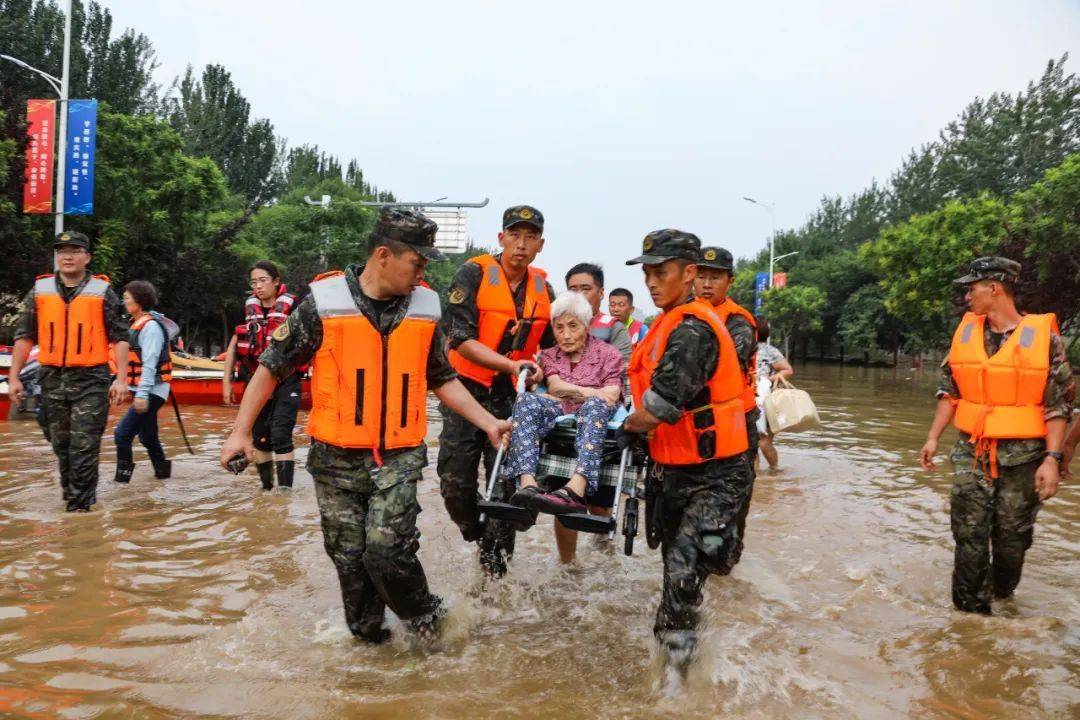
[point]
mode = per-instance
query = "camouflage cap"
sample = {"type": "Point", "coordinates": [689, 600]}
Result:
{"type": "Point", "coordinates": [716, 258]}
{"type": "Point", "coordinates": [409, 227]}
{"type": "Point", "coordinates": [662, 245]}
{"type": "Point", "coordinates": [73, 238]}
{"type": "Point", "coordinates": [991, 268]}
{"type": "Point", "coordinates": [523, 214]}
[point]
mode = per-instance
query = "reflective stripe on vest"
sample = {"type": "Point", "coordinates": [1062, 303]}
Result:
{"type": "Point", "coordinates": [725, 310]}
{"type": "Point", "coordinates": [636, 330]}
{"type": "Point", "coordinates": [716, 430]}
{"type": "Point", "coordinates": [71, 334]}
{"type": "Point", "coordinates": [369, 391]}
{"type": "Point", "coordinates": [1002, 396]}
{"type": "Point", "coordinates": [602, 327]}
{"type": "Point", "coordinates": [164, 364]}
{"type": "Point", "coordinates": [499, 322]}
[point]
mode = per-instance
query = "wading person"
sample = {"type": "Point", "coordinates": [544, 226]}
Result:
{"type": "Point", "coordinates": [688, 388]}
{"type": "Point", "coordinates": [771, 366]}
{"type": "Point", "coordinates": [372, 336]}
{"type": "Point", "coordinates": [264, 312]}
{"type": "Point", "coordinates": [498, 317]}
{"type": "Point", "coordinates": [621, 305]}
{"type": "Point", "coordinates": [588, 279]}
{"type": "Point", "coordinates": [149, 372]}
{"type": "Point", "coordinates": [714, 276]}
{"type": "Point", "coordinates": [1007, 388]}
{"type": "Point", "coordinates": [72, 316]}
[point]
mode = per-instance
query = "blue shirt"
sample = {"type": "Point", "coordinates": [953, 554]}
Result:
{"type": "Point", "coordinates": [151, 345]}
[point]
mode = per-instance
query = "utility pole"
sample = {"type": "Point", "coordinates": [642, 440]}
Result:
{"type": "Point", "coordinates": [61, 141]}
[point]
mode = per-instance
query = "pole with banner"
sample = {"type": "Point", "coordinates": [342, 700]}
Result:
{"type": "Point", "coordinates": [761, 284]}
{"type": "Point", "coordinates": [38, 183]}
{"type": "Point", "coordinates": [81, 141]}
{"type": "Point", "coordinates": [779, 280]}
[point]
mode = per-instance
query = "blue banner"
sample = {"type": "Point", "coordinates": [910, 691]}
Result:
{"type": "Point", "coordinates": [761, 284]}
{"type": "Point", "coordinates": [79, 154]}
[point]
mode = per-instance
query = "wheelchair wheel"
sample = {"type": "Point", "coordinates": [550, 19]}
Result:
{"type": "Point", "coordinates": [628, 546]}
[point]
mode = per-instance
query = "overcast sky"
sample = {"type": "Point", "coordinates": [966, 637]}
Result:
{"type": "Point", "coordinates": [615, 118]}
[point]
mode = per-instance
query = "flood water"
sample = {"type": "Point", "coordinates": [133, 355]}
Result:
{"type": "Point", "coordinates": [201, 596]}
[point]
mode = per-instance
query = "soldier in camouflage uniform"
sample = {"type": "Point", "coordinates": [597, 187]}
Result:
{"type": "Point", "coordinates": [74, 376]}
{"type": "Point", "coordinates": [367, 495]}
{"type": "Point", "coordinates": [1000, 482]}
{"type": "Point", "coordinates": [715, 272]}
{"type": "Point", "coordinates": [698, 505]}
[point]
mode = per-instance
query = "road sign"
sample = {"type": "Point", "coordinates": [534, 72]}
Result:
{"type": "Point", "coordinates": [453, 233]}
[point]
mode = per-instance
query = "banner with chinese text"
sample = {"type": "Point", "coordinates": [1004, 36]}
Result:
{"type": "Point", "coordinates": [81, 140]}
{"type": "Point", "coordinates": [38, 182]}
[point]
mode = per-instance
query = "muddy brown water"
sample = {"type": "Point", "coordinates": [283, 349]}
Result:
{"type": "Point", "coordinates": [202, 597]}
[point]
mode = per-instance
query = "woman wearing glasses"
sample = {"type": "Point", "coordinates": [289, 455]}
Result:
{"type": "Point", "coordinates": [265, 310]}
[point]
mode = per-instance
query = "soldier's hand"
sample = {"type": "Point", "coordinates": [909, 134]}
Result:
{"type": "Point", "coordinates": [499, 433]}
{"type": "Point", "coordinates": [15, 390]}
{"type": "Point", "coordinates": [237, 444]}
{"type": "Point", "coordinates": [118, 392]}
{"type": "Point", "coordinates": [535, 373]}
{"type": "Point", "coordinates": [141, 405]}
{"type": "Point", "coordinates": [1047, 479]}
{"type": "Point", "coordinates": [926, 455]}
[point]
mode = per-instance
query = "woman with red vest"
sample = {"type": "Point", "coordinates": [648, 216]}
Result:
{"type": "Point", "coordinates": [372, 336]}
{"type": "Point", "coordinates": [149, 371]}
{"type": "Point", "coordinates": [1007, 387]}
{"type": "Point", "coordinates": [72, 317]}
{"type": "Point", "coordinates": [715, 268]}
{"type": "Point", "coordinates": [498, 317]}
{"type": "Point", "coordinates": [264, 312]}
{"type": "Point", "coordinates": [687, 388]}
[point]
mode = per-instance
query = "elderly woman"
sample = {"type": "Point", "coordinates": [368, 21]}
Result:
{"type": "Point", "coordinates": [584, 377]}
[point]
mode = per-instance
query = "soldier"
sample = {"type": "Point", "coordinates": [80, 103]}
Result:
{"type": "Point", "coordinates": [715, 268]}
{"type": "Point", "coordinates": [373, 337]}
{"type": "Point", "coordinates": [72, 317]}
{"type": "Point", "coordinates": [1007, 388]}
{"type": "Point", "coordinates": [687, 388]}
{"type": "Point", "coordinates": [588, 279]}
{"type": "Point", "coordinates": [498, 317]}
{"type": "Point", "coordinates": [621, 305]}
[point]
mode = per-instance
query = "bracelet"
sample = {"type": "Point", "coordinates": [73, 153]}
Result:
{"type": "Point", "coordinates": [1059, 456]}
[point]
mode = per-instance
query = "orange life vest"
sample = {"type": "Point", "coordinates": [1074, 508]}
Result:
{"type": "Point", "coordinates": [749, 394]}
{"type": "Point", "coordinates": [369, 391]}
{"type": "Point", "coordinates": [499, 319]}
{"type": "Point", "coordinates": [1001, 396]}
{"type": "Point", "coordinates": [716, 430]}
{"type": "Point", "coordinates": [135, 365]}
{"type": "Point", "coordinates": [71, 334]}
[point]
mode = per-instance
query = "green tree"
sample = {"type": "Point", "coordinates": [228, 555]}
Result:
{"type": "Point", "coordinates": [794, 311]}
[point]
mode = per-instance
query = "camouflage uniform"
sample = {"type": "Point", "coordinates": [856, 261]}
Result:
{"type": "Point", "coordinates": [744, 336]}
{"type": "Point", "coordinates": [368, 511]}
{"type": "Point", "coordinates": [462, 445]}
{"type": "Point", "coordinates": [698, 506]}
{"type": "Point", "coordinates": [75, 400]}
{"type": "Point", "coordinates": [993, 520]}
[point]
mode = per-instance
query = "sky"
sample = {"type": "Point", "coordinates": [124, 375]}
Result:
{"type": "Point", "coordinates": [615, 118]}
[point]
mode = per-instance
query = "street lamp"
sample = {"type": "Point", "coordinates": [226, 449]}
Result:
{"type": "Point", "coordinates": [324, 203]}
{"type": "Point", "coordinates": [60, 86]}
{"type": "Point", "coordinates": [772, 237]}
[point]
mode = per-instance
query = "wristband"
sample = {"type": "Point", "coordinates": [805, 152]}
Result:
{"type": "Point", "coordinates": [1059, 456]}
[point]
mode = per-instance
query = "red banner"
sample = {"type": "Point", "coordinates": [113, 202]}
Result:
{"type": "Point", "coordinates": [779, 280]}
{"type": "Point", "coordinates": [41, 127]}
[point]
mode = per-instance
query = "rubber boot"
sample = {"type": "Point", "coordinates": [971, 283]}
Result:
{"type": "Point", "coordinates": [266, 474]}
{"type": "Point", "coordinates": [124, 471]}
{"type": "Point", "coordinates": [284, 472]}
{"type": "Point", "coordinates": [163, 470]}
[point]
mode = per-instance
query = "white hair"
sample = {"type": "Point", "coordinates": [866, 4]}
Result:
{"type": "Point", "coordinates": [572, 303]}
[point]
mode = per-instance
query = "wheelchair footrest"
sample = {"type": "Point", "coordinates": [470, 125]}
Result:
{"type": "Point", "coordinates": [505, 511]}
{"type": "Point", "coordinates": [584, 522]}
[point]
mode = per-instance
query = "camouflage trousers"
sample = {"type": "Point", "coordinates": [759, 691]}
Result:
{"type": "Point", "coordinates": [461, 447]}
{"type": "Point", "coordinates": [753, 439]}
{"type": "Point", "coordinates": [76, 415]}
{"type": "Point", "coordinates": [369, 531]}
{"type": "Point", "coordinates": [697, 515]}
{"type": "Point", "coordinates": [993, 526]}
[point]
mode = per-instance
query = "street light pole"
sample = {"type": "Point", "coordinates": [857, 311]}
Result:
{"type": "Point", "coordinates": [61, 141]}
{"type": "Point", "coordinates": [772, 237]}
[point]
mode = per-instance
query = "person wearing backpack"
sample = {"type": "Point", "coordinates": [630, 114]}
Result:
{"type": "Point", "coordinates": [149, 372]}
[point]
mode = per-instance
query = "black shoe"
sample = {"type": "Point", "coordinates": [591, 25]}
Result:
{"type": "Point", "coordinates": [163, 470]}
{"type": "Point", "coordinates": [285, 472]}
{"type": "Point", "coordinates": [123, 472]}
{"type": "Point", "coordinates": [266, 474]}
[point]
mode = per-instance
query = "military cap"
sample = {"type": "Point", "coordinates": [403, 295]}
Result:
{"type": "Point", "coordinates": [991, 268]}
{"type": "Point", "coordinates": [663, 245]}
{"type": "Point", "coordinates": [716, 258]}
{"type": "Point", "coordinates": [523, 214]}
{"type": "Point", "coordinates": [409, 227]}
{"type": "Point", "coordinates": [73, 238]}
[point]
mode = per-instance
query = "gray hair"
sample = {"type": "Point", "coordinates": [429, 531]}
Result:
{"type": "Point", "coordinates": [572, 303]}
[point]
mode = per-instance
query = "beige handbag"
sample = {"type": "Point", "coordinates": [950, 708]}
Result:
{"type": "Point", "coordinates": [789, 409]}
